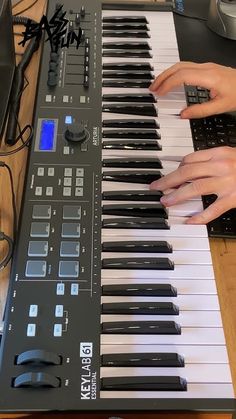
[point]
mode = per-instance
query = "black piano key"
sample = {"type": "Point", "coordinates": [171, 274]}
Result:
{"type": "Point", "coordinates": [143, 177]}
{"type": "Point", "coordinates": [144, 359]}
{"type": "Point", "coordinates": [136, 210]}
{"type": "Point", "coordinates": [124, 19]}
{"type": "Point", "coordinates": [150, 134]}
{"type": "Point", "coordinates": [146, 223]}
{"type": "Point", "coordinates": [142, 163]}
{"type": "Point", "coordinates": [127, 53]}
{"type": "Point", "coordinates": [140, 290]}
{"type": "Point", "coordinates": [132, 195]}
{"type": "Point", "coordinates": [127, 66]}
{"type": "Point", "coordinates": [140, 246]}
{"type": "Point", "coordinates": [129, 97]}
{"type": "Point", "coordinates": [138, 263]}
{"type": "Point", "coordinates": [114, 33]}
{"type": "Point", "coordinates": [131, 123]}
{"type": "Point", "coordinates": [127, 84]}
{"type": "Point", "coordinates": [149, 383]}
{"type": "Point", "coordinates": [147, 109]}
{"type": "Point", "coordinates": [125, 26]}
{"type": "Point", "coordinates": [131, 145]}
{"type": "Point", "coordinates": [121, 74]}
{"type": "Point", "coordinates": [141, 308]}
{"type": "Point", "coordinates": [141, 328]}
{"type": "Point", "coordinates": [143, 46]}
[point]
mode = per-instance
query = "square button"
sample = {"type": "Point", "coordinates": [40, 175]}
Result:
{"type": "Point", "coordinates": [68, 269]}
{"type": "Point", "coordinates": [38, 191]}
{"type": "Point", "coordinates": [51, 171]}
{"type": "Point", "coordinates": [66, 191]}
{"type": "Point", "coordinates": [67, 181]}
{"type": "Point", "coordinates": [68, 172]}
{"type": "Point", "coordinates": [79, 181]}
{"type": "Point", "coordinates": [59, 310]}
{"type": "Point", "coordinates": [70, 230]}
{"type": "Point", "coordinates": [60, 290]}
{"type": "Point", "coordinates": [49, 190]}
{"type": "Point", "coordinates": [71, 212]}
{"type": "Point", "coordinates": [69, 249]}
{"type": "Point", "coordinates": [38, 248]}
{"type": "Point", "coordinates": [79, 172]}
{"type": "Point", "coordinates": [33, 310]}
{"type": "Point", "coordinates": [40, 171]}
{"type": "Point", "coordinates": [79, 191]}
{"type": "Point", "coordinates": [42, 211]}
{"type": "Point", "coordinates": [40, 230]}
{"type": "Point", "coordinates": [74, 289]}
{"type": "Point", "coordinates": [36, 268]}
{"type": "Point", "coordinates": [31, 330]}
{"type": "Point", "coordinates": [57, 330]}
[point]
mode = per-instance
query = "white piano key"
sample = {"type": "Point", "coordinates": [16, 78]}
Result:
{"type": "Point", "coordinates": [178, 243]}
{"type": "Point", "coordinates": [167, 153]}
{"type": "Point", "coordinates": [178, 257]}
{"type": "Point", "coordinates": [186, 303]}
{"type": "Point", "coordinates": [195, 391]}
{"type": "Point", "coordinates": [192, 354]}
{"type": "Point", "coordinates": [183, 286]}
{"type": "Point", "coordinates": [178, 133]}
{"type": "Point", "coordinates": [180, 272]}
{"type": "Point", "coordinates": [210, 373]}
{"type": "Point", "coordinates": [186, 209]}
{"type": "Point", "coordinates": [177, 229]}
{"type": "Point", "coordinates": [189, 336]}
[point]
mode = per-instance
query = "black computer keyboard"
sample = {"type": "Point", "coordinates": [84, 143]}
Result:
{"type": "Point", "coordinates": [213, 131]}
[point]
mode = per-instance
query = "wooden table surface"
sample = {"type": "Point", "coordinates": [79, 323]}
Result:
{"type": "Point", "coordinates": [223, 251]}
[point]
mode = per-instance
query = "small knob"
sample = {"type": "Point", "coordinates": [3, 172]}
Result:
{"type": "Point", "coordinates": [52, 79]}
{"type": "Point", "coordinates": [76, 133]}
{"type": "Point", "coordinates": [54, 56]}
{"type": "Point", "coordinates": [53, 66]}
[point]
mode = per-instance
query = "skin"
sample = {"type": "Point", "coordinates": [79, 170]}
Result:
{"type": "Point", "coordinates": [204, 172]}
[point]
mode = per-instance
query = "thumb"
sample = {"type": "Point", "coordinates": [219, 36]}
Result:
{"type": "Point", "coordinates": [201, 110]}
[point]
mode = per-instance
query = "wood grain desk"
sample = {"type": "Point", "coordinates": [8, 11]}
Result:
{"type": "Point", "coordinates": [223, 251]}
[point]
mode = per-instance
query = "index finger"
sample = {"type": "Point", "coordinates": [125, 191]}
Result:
{"type": "Point", "coordinates": [167, 73]}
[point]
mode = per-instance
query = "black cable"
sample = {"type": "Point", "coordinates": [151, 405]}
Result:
{"type": "Point", "coordinates": [25, 143]}
{"type": "Point", "coordinates": [18, 84]}
{"type": "Point", "coordinates": [13, 198]}
{"type": "Point", "coordinates": [7, 258]}
{"type": "Point", "coordinates": [190, 16]}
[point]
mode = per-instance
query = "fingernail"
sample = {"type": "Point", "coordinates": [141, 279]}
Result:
{"type": "Point", "coordinates": [166, 200]}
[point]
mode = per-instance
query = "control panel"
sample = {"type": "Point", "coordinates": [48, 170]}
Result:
{"type": "Point", "coordinates": [52, 322]}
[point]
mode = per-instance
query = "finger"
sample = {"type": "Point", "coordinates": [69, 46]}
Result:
{"type": "Point", "coordinates": [191, 190]}
{"type": "Point", "coordinates": [171, 70]}
{"type": "Point", "coordinates": [210, 154]}
{"type": "Point", "coordinates": [213, 211]}
{"type": "Point", "coordinates": [213, 106]}
{"type": "Point", "coordinates": [184, 174]}
{"type": "Point", "coordinates": [201, 77]}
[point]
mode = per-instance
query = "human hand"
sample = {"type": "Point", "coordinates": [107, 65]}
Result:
{"type": "Point", "coordinates": [220, 80]}
{"type": "Point", "coordinates": [211, 171]}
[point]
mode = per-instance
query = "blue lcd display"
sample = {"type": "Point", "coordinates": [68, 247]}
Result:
{"type": "Point", "coordinates": [47, 135]}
